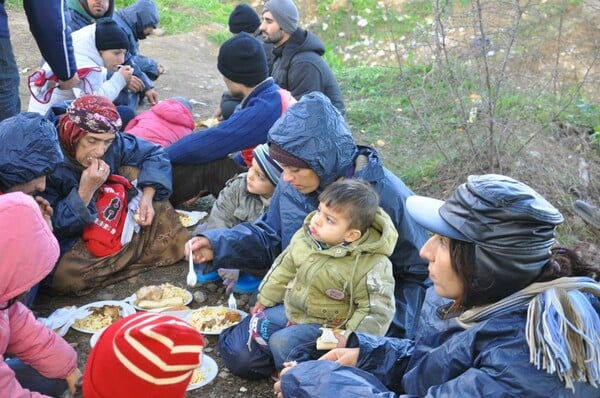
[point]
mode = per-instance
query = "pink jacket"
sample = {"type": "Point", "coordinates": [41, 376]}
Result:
{"type": "Point", "coordinates": [163, 124]}
{"type": "Point", "coordinates": [29, 252]}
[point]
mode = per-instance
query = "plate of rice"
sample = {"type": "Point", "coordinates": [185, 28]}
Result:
{"type": "Point", "coordinates": [103, 313]}
{"type": "Point", "coordinates": [204, 374]}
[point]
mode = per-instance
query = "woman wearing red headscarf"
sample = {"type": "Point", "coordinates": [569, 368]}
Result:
{"type": "Point", "coordinates": [90, 198]}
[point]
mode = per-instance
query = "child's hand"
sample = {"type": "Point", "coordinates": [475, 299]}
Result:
{"type": "Point", "coordinates": [340, 335]}
{"type": "Point", "coordinates": [257, 308]}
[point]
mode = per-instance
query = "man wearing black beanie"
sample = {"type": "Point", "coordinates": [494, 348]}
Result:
{"type": "Point", "coordinates": [201, 162]}
{"type": "Point", "coordinates": [297, 63]}
{"type": "Point", "coordinates": [243, 18]}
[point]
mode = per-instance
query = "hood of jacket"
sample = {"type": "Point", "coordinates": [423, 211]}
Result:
{"type": "Point", "coordinates": [29, 149]}
{"type": "Point", "coordinates": [29, 251]}
{"type": "Point", "coordinates": [380, 238]}
{"type": "Point", "coordinates": [81, 8]}
{"type": "Point", "coordinates": [139, 16]}
{"type": "Point", "coordinates": [301, 41]}
{"type": "Point", "coordinates": [174, 112]}
{"type": "Point", "coordinates": [84, 45]}
{"type": "Point", "coordinates": [314, 131]}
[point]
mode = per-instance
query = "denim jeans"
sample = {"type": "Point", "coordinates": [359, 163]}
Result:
{"type": "Point", "coordinates": [252, 361]}
{"type": "Point", "coordinates": [295, 343]}
{"type": "Point", "coordinates": [32, 380]}
{"type": "Point", "coordinates": [10, 103]}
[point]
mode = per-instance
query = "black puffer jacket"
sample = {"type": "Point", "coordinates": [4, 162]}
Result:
{"type": "Point", "coordinates": [299, 67]}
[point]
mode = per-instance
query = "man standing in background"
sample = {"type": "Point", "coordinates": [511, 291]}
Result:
{"type": "Point", "coordinates": [49, 27]}
{"type": "Point", "coordinates": [298, 64]}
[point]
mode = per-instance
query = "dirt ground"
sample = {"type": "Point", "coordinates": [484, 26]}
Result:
{"type": "Point", "coordinates": [190, 61]}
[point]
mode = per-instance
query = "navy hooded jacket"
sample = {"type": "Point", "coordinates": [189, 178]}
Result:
{"type": "Point", "coordinates": [490, 359]}
{"type": "Point", "coordinates": [133, 20]}
{"type": "Point", "coordinates": [51, 32]}
{"type": "Point", "coordinates": [70, 213]}
{"type": "Point", "coordinates": [315, 131]}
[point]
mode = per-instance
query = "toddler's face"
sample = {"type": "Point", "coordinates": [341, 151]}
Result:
{"type": "Point", "coordinates": [330, 226]}
{"type": "Point", "coordinates": [257, 183]}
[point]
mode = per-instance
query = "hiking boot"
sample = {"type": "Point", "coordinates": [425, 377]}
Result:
{"type": "Point", "coordinates": [590, 214]}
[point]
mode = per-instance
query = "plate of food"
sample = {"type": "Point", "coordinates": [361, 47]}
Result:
{"type": "Point", "coordinates": [204, 374]}
{"type": "Point", "coordinates": [162, 297]}
{"type": "Point", "coordinates": [190, 218]}
{"type": "Point", "coordinates": [213, 320]}
{"type": "Point", "coordinates": [103, 313]}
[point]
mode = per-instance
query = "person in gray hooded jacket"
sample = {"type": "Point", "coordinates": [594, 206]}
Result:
{"type": "Point", "coordinates": [313, 132]}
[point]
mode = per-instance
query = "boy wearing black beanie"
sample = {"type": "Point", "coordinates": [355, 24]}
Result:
{"type": "Point", "coordinates": [200, 162]}
{"type": "Point", "coordinates": [242, 60]}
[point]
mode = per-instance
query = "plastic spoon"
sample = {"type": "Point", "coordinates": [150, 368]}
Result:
{"type": "Point", "coordinates": [231, 303]}
{"type": "Point", "coordinates": [191, 276]}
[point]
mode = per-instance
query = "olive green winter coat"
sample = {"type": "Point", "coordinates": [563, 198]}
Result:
{"type": "Point", "coordinates": [346, 286]}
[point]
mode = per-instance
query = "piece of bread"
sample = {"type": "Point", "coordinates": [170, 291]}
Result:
{"type": "Point", "coordinates": [166, 302]}
{"type": "Point", "coordinates": [325, 345]}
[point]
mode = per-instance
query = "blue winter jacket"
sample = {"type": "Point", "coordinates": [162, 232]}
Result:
{"type": "Point", "coordinates": [133, 20]}
{"type": "Point", "coordinates": [490, 359]}
{"type": "Point", "coordinates": [70, 213]}
{"type": "Point", "coordinates": [51, 32]}
{"type": "Point", "coordinates": [245, 128]}
{"type": "Point", "coordinates": [314, 131]}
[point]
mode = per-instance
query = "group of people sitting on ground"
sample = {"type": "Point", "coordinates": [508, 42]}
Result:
{"type": "Point", "coordinates": [330, 238]}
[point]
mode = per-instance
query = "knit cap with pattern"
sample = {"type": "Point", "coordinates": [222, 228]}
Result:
{"type": "Point", "coordinates": [269, 166]}
{"type": "Point", "coordinates": [143, 355]}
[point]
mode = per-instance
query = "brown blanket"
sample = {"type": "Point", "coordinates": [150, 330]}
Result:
{"type": "Point", "coordinates": [162, 243]}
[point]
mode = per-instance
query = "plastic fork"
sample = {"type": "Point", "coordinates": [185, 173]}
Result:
{"type": "Point", "coordinates": [191, 276]}
{"type": "Point", "coordinates": [231, 302]}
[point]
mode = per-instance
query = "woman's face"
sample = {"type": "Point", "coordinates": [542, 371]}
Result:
{"type": "Point", "coordinates": [112, 59]}
{"type": "Point", "coordinates": [92, 146]}
{"type": "Point", "coordinates": [445, 280]}
{"type": "Point", "coordinates": [304, 180]}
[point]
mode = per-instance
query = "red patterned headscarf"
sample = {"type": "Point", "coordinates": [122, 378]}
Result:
{"type": "Point", "coordinates": [87, 114]}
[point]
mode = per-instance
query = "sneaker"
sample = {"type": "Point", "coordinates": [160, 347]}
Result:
{"type": "Point", "coordinates": [205, 277]}
{"type": "Point", "coordinates": [247, 284]}
{"type": "Point", "coordinates": [589, 213]}
{"type": "Point", "coordinates": [254, 329]}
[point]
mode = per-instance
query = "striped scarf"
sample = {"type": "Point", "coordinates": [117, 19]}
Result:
{"type": "Point", "coordinates": [562, 328]}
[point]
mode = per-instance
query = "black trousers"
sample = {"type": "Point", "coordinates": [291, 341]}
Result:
{"type": "Point", "coordinates": [191, 180]}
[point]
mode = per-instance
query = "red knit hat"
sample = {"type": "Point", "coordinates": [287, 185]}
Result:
{"type": "Point", "coordinates": [143, 355]}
